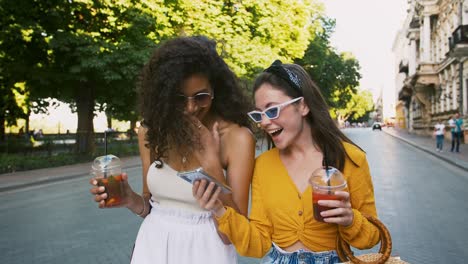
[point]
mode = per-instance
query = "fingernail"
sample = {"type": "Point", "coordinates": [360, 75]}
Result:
{"type": "Point", "coordinates": [101, 189]}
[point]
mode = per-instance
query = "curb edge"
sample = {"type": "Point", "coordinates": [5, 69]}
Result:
{"type": "Point", "coordinates": [49, 180]}
{"type": "Point", "coordinates": [448, 160]}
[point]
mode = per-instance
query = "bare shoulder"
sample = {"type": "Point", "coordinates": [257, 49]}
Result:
{"type": "Point", "coordinates": [232, 133]}
{"type": "Point", "coordinates": [142, 132]}
{"type": "Point", "coordinates": [144, 151]}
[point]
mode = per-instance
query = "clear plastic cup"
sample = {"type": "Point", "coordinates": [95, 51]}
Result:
{"type": "Point", "coordinates": [325, 182]}
{"type": "Point", "coordinates": [108, 172]}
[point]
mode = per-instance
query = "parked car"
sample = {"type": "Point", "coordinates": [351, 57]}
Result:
{"type": "Point", "coordinates": [377, 125]}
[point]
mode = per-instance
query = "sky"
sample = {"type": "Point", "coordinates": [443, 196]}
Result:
{"type": "Point", "coordinates": [367, 29]}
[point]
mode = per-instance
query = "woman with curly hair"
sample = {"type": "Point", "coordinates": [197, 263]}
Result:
{"type": "Point", "coordinates": [186, 93]}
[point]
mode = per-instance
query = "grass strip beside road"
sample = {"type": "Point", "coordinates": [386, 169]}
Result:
{"type": "Point", "coordinates": [31, 161]}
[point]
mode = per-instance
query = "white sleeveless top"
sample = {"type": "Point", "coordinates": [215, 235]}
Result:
{"type": "Point", "coordinates": [169, 190]}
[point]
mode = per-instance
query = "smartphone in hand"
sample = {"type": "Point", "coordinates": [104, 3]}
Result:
{"type": "Point", "coordinates": [199, 174]}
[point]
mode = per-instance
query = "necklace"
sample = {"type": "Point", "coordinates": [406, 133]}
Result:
{"type": "Point", "coordinates": [184, 160]}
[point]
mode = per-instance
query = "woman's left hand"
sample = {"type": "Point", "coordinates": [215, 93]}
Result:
{"type": "Point", "coordinates": [341, 212]}
{"type": "Point", "coordinates": [207, 195]}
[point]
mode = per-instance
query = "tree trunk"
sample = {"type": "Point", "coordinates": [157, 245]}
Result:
{"type": "Point", "coordinates": [132, 125]}
{"type": "Point", "coordinates": [2, 128]}
{"type": "Point", "coordinates": [26, 126]}
{"type": "Point", "coordinates": [85, 109]}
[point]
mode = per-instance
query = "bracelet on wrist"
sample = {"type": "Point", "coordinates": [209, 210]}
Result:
{"type": "Point", "coordinates": [144, 206]}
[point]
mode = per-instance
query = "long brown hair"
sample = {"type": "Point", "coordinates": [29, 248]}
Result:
{"type": "Point", "coordinates": [294, 81]}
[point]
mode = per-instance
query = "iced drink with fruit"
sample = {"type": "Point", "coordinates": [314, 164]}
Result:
{"type": "Point", "coordinates": [107, 170]}
{"type": "Point", "coordinates": [325, 182]}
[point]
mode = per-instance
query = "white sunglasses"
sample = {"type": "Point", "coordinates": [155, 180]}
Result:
{"type": "Point", "coordinates": [271, 112]}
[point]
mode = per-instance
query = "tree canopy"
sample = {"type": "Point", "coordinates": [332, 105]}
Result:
{"type": "Point", "coordinates": [358, 106]}
{"type": "Point", "coordinates": [337, 74]}
{"type": "Point", "coordinates": [251, 34]}
{"type": "Point", "coordinates": [88, 53]}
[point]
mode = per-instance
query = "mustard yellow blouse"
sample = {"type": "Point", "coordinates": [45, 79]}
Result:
{"type": "Point", "coordinates": [282, 215]}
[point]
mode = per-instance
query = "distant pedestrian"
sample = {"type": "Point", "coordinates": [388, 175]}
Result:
{"type": "Point", "coordinates": [456, 128]}
{"type": "Point", "coordinates": [37, 133]}
{"type": "Point", "coordinates": [439, 130]}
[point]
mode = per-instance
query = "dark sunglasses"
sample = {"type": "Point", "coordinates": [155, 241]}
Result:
{"type": "Point", "coordinates": [201, 99]}
{"type": "Point", "coordinates": [271, 112]}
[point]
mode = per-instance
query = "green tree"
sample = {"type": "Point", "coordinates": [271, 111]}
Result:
{"type": "Point", "coordinates": [10, 111]}
{"type": "Point", "coordinates": [101, 52]}
{"type": "Point", "coordinates": [360, 105]}
{"type": "Point", "coordinates": [336, 74]}
{"type": "Point", "coordinates": [250, 34]}
{"type": "Point", "coordinates": [22, 52]}
{"type": "Point", "coordinates": [93, 49]}
{"type": "Point", "coordinates": [88, 53]}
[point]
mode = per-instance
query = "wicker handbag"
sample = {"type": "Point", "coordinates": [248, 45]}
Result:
{"type": "Point", "coordinates": [345, 254]}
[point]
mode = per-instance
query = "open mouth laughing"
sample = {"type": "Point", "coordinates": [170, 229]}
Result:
{"type": "Point", "coordinates": [275, 132]}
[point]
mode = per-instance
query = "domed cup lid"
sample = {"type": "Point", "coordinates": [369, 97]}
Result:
{"type": "Point", "coordinates": [106, 163]}
{"type": "Point", "coordinates": [327, 178]}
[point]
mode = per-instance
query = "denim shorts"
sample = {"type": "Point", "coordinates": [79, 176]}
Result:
{"type": "Point", "coordinates": [301, 256]}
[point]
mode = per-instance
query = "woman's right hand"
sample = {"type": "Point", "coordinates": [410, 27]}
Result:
{"type": "Point", "coordinates": [100, 194]}
{"type": "Point", "coordinates": [209, 154]}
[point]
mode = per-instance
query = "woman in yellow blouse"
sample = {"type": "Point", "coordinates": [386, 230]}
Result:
{"type": "Point", "coordinates": [291, 109]}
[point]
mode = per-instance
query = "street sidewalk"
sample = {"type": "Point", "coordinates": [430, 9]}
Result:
{"type": "Point", "coordinates": [16, 180]}
{"type": "Point", "coordinates": [20, 179]}
{"type": "Point", "coordinates": [428, 144]}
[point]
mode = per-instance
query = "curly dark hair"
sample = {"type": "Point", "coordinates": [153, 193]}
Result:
{"type": "Point", "coordinates": [325, 132]}
{"type": "Point", "coordinates": [160, 84]}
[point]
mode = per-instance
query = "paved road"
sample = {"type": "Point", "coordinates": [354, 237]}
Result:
{"type": "Point", "coordinates": [420, 198]}
{"type": "Point", "coordinates": [59, 223]}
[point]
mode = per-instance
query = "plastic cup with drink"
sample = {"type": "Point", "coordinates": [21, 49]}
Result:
{"type": "Point", "coordinates": [325, 182]}
{"type": "Point", "coordinates": [107, 170]}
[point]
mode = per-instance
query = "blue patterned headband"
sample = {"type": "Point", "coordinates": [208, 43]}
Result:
{"type": "Point", "coordinates": [287, 75]}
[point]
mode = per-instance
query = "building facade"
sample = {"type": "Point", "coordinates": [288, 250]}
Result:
{"type": "Point", "coordinates": [431, 51]}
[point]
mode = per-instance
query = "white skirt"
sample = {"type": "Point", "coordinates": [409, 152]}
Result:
{"type": "Point", "coordinates": [169, 236]}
